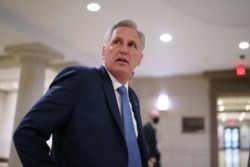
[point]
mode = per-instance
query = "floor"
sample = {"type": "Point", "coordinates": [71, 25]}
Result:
{"type": "Point", "coordinates": [227, 158]}
{"type": "Point", "coordinates": [233, 158]}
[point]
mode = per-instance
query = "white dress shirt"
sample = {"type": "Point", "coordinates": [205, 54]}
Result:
{"type": "Point", "coordinates": [116, 85]}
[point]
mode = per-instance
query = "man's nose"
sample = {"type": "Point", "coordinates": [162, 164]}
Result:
{"type": "Point", "coordinates": [124, 49]}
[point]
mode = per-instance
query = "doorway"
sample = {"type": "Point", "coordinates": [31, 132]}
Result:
{"type": "Point", "coordinates": [231, 138]}
{"type": "Point", "coordinates": [223, 84]}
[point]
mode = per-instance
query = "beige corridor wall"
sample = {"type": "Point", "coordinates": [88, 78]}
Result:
{"type": "Point", "coordinates": [188, 96]}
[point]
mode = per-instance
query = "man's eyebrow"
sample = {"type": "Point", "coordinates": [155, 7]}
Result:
{"type": "Point", "coordinates": [120, 38]}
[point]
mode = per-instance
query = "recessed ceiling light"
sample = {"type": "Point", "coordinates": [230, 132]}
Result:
{"type": "Point", "coordinates": [221, 108]}
{"type": "Point", "coordinates": [93, 7]}
{"type": "Point", "coordinates": [242, 116]}
{"type": "Point", "coordinates": [223, 117]}
{"type": "Point", "coordinates": [220, 102]}
{"type": "Point", "coordinates": [243, 45]}
{"type": "Point", "coordinates": [165, 37]}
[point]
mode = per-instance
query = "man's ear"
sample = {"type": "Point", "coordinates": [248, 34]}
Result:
{"type": "Point", "coordinates": [103, 52]}
{"type": "Point", "coordinates": [139, 62]}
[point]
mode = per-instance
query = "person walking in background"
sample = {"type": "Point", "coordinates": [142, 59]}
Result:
{"type": "Point", "coordinates": [152, 138]}
{"type": "Point", "coordinates": [84, 111]}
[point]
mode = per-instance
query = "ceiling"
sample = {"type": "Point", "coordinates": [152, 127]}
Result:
{"type": "Point", "coordinates": [205, 34]}
{"type": "Point", "coordinates": [234, 108]}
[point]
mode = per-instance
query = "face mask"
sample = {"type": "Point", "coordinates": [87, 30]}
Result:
{"type": "Point", "coordinates": [156, 120]}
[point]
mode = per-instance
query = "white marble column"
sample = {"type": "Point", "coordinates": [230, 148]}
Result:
{"type": "Point", "coordinates": [34, 59]}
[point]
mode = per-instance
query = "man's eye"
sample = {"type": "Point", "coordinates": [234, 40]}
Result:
{"type": "Point", "coordinates": [132, 44]}
{"type": "Point", "coordinates": [116, 42]}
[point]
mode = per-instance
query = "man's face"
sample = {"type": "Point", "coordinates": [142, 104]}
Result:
{"type": "Point", "coordinates": [122, 53]}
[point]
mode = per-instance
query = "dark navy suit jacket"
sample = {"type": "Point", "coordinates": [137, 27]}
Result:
{"type": "Point", "coordinates": [81, 111]}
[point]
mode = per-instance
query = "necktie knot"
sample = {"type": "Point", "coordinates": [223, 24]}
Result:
{"type": "Point", "coordinates": [122, 90]}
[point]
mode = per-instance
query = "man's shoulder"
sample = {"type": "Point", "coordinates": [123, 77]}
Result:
{"type": "Point", "coordinates": [75, 70]}
{"type": "Point", "coordinates": [78, 67]}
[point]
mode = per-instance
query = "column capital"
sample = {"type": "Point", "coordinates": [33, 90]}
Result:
{"type": "Point", "coordinates": [34, 50]}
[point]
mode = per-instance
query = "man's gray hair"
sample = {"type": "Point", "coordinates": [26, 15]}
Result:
{"type": "Point", "coordinates": [125, 23]}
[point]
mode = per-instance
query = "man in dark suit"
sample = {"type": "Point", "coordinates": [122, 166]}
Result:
{"type": "Point", "coordinates": [81, 110]}
{"type": "Point", "coordinates": [152, 138]}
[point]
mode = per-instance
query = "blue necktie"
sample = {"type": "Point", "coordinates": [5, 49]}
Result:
{"type": "Point", "coordinates": [131, 140]}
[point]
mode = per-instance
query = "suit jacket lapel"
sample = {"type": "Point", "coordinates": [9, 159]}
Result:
{"type": "Point", "coordinates": [111, 98]}
{"type": "Point", "coordinates": [135, 105]}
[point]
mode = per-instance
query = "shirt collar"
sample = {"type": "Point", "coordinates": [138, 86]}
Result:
{"type": "Point", "coordinates": [115, 82]}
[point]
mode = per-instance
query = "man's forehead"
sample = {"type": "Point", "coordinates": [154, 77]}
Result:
{"type": "Point", "coordinates": [126, 31]}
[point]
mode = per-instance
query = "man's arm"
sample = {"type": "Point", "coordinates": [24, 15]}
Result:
{"type": "Point", "coordinates": [48, 114]}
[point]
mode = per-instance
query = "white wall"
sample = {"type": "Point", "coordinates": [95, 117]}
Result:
{"type": "Point", "coordinates": [221, 136]}
{"type": "Point", "coordinates": [1, 109]}
{"type": "Point", "coordinates": [189, 96]}
{"type": "Point", "coordinates": [244, 136]}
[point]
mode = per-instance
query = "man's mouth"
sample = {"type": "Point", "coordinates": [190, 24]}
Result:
{"type": "Point", "coordinates": [122, 60]}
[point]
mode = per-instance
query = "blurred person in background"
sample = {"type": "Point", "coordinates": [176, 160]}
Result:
{"type": "Point", "coordinates": [152, 138]}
